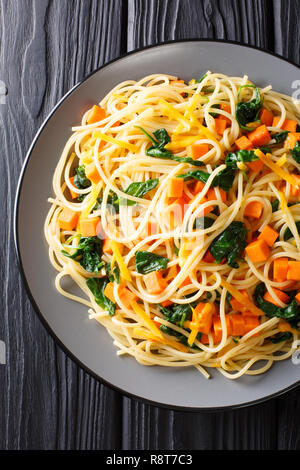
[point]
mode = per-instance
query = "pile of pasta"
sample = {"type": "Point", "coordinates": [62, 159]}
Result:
{"type": "Point", "coordinates": [177, 213]}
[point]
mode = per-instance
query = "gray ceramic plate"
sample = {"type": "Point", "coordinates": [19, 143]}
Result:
{"type": "Point", "coordinates": [85, 340]}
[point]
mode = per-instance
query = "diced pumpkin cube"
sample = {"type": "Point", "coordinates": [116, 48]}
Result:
{"type": "Point", "coordinates": [280, 269]}
{"type": "Point", "coordinates": [254, 209]}
{"type": "Point", "coordinates": [259, 136]}
{"type": "Point", "coordinates": [237, 306]}
{"type": "Point", "coordinates": [67, 219]}
{"type": "Point", "coordinates": [258, 251]}
{"type": "Point", "coordinates": [237, 324]}
{"type": "Point", "coordinates": [217, 327]}
{"type": "Point", "coordinates": [243, 143]}
{"type": "Point", "coordinates": [202, 316]}
{"type": "Point", "coordinates": [154, 282]}
{"type": "Point", "coordinates": [293, 271]}
{"type": "Point", "coordinates": [196, 151]}
{"type": "Point", "coordinates": [291, 140]}
{"type": "Point", "coordinates": [88, 227]}
{"type": "Point", "coordinates": [220, 125]}
{"type": "Point", "coordinates": [107, 248]}
{"type": "Point", "coordinates": [167, 303]}
{"type": "Point", "coordinates": [288, 124]}
{"type": "Point", "coordinates": [127, 296]}
{"type": "Point", "coordinates": [212, 196]}
{"type": "Point", "coordinates": [96, 114]}
{"type": "Point", "coordinates": [266, 117]}
{"type": "Point", "coordinates": [92, 173]}
{"type": "Point", "coordinates": [175, 187]}
{"type": "Point", "coordinates": [297, 297]}
{"type": "Point", "coordinates": [109, 292]}
{"type": "Point", "coordinates": [198, 186]}
{"type": "Point", "coordinates": [255, 166]}
{"type": "Point", "coordinates": [251, 322]}
{"type": "Point", "coordinates": [269, 235]}
{"type": "Point", "coordinates": [281, 296]}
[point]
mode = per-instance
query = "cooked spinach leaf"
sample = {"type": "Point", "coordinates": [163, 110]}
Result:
{"type": "Point", "coordinates": [296, 152]}
{"type": "Point", "coordinates": [275, 205]}
{"type": "Point", "coordinates": [230, 244]}
{"type": "Point", "coordinates": [97, 287]}
{"type": "Point", "coordinates": [88, 254]}
{"type": "Point", "coordinates": [290, 313]}
{"type": "Point", "coordinates": [157, 150]}
{"type": "Point", "coordinates": [138, 190]}
{"type": "Point", "coordinates": [247, 112]}
{"type": "Point", "coordinates": [113, 274]}
{"type": "Point", "coordinates": [280, 137]}
{"type": "Point", "coordinates": [80, 179]}
{"type": "Point", "coordinates": [224, 179]}
{"type": "Point", "coordinates": [279, 337]}
{"type": "Point", "coordinates": [242, 156]}
{"type": "Point", "coordinates": [203, 222]}
{"type": "Point", "coordinates": [288, 234]}
{"type": "Point", "coordinates": [177, 313]}
{"type": "Point", "coordinates": [216, 106]}
{"type": "Point", "coordinates": [181, 338]}
{"type": "Point", "coordinates": [199, 80]}
{"type": "Point", "coordinates": [146, 262]}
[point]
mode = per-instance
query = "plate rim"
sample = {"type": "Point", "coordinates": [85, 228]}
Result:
{"type": "Point", "coordinates": [37, 310]}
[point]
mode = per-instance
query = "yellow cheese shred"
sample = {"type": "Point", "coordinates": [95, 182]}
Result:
{"type": "Point", "coordinates": [142, 333]}
{"type": "Point", "coordinates": [146, 319]}
{"type": "Point", "coordinates": [241, 298]}
{"type": "Point", "coordinates": [124, 271]}
{"type": "Point", "coordinates": [120, 143]}
{"type": "Point", "coordinates": [173, 113]}
{"type": "Point", "coordinates": [279, 171]}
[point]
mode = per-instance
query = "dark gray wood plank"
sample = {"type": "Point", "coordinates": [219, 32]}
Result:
{"type": "Point", "coordinates": [46, 401]}
{"type": "Point", "coordinates": [286, 29]}
{"type": "Point", "coordinates": [250, 22]}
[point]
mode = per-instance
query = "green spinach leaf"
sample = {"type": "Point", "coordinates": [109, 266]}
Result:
{"type": "Point", "coordinates": [280, 137]}
{"type": "Point", "coordinates": [138, 190]}
{"type": "Point", "coordinates": [97, 287]}
{"type": "Point", "coordinates": [230, 244]}
{"type": "Point", "coordinates": [242, 156]}
{"type": "Point", "coordinates": [224, 179]}
{"type": "Point", "coordinates": [88, 254]}
{"type": "Point", "coordinates": [291, 313]}
{"type": "Point", "coordinates": [296, 152]}
{"type": "Point", "coordinates": [247, 112]}
{"type": "Point", "coordinates": [146, 262]}
{"type": "Point", "coordinates": [157, 150]}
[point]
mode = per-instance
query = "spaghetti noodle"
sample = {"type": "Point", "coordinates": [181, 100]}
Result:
{"type": "Point", "coordinates": [177, 213]}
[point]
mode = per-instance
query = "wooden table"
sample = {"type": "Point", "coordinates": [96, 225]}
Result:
{"type": "Point", "coordinates": [46, 400]}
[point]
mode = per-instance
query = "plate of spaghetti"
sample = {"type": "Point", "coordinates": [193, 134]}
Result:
{"type": "Point", "coordinates": [171, 235]}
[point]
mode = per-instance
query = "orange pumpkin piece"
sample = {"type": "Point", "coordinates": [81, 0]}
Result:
{"type": "Point", "coordinates": [196, 151]}
{"type": "Point", "coordinates": [259, 136]}
{"type": "Point", "coordinates": [236, 305]}
{"type": "Point", "coordinates": [154, 282]}
{"type": "Point", "coordinates": [202, 316]}
{"type": "Point", "coordinates": [127, 296]}
{"type": "Point", "coordinates": [96, 114]}
{"type": "Point", "coordinates": [266, 117]}
{"type": "Point", "coordinates": [107, 246]}
{"type": "Point", "coordinates": [217, 327]}
{"type": "Point", "coordinates": [67, 219]}
{"type": "Point", "coordinates": [198, 186]}
{"type": "Point", "coordinates": [212, 196]}
{"type": "Point", "coordinates": [281, 296]}
{"type": "Point", "coordinates": [297, 297]}
{"type": "Point", "coordinates": [258, 251]}
{"type": "Point", "coordinates": [88, 227]}
{"type": "Point", "coordinates": [175, 187]}
{"type": "Point", "coordinates": [166, 303]}
{"type": "Point", "coordinates": [291, 140]}
{"type": "Point", "coordinates": [92, 173]}
{"type": "Point", "coordinates": [288, 124]}
{"type": "Point", "coordinates": [255, 166]}
{"type": "Point", "coordinates": [251, 322]}
{"type": "Point", "coordinates": [220, 125]}
{"type": "Point", "coordinates": [280, 269]}
{"type": "Point", "coordinates": [243, 143]}
{"type": "Point", "coordinates": [293, 273]}
{"type": "Point", "coordinates": [254, 209]}
{"type": "Point", "coordinates": [269, 235]}
{"type": "Point", "coordinates": [109, 292]}
{"type": "Point", "coordinates": [237, 324]}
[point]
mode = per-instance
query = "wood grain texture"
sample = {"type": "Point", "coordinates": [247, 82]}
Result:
{"type": "Point", "coordinates": [47, 401]}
